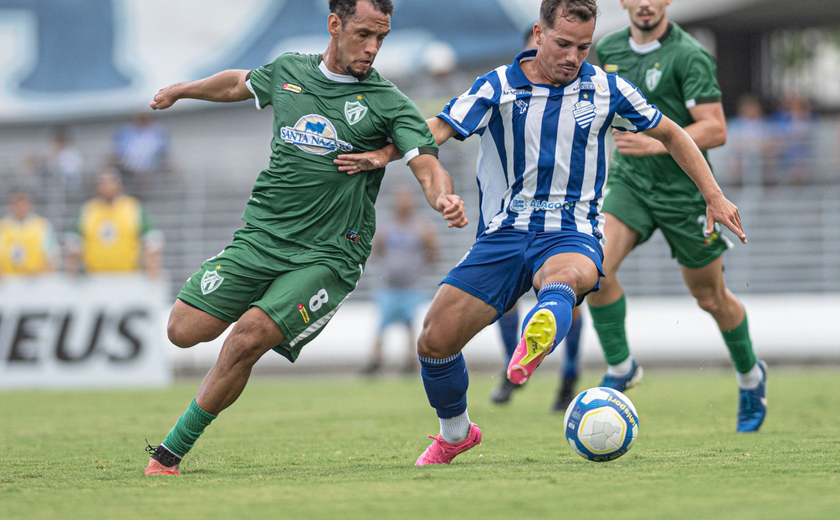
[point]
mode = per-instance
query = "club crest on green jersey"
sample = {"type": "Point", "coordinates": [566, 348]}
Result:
{"type": "Point", "coordinates": [354, 111]}
{"type": "Point", "coordinates": [652, 77]}
{"type": "Point", "coordinates": [210, 282]}
{"type": "Point", "coordinates": [316, 135]}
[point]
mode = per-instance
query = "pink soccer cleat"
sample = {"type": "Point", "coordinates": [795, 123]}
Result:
{"type": "Point", "coordinates": [442, 452]}
{"type": "Point", "coordinates": [537, 340]}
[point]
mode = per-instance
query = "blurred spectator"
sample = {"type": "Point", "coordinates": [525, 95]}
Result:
{"type": "Point", "coordinates": [27, 243]}
{"type": "Point", "coordinates": [405, 248]}
{"type": "Point", "coordinates": [748, 142]}
{"type": "Point", "coordinates": [140, 152]}
{"type": "Point", "coordinates": [793, 128]}
{"type": "Point", "coordinates": [63, 162]}
{"type": "Point", "coordinates": [113, 233]}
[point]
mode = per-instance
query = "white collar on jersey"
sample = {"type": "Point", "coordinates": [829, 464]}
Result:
{"type": "Point", "coordinates": [646, 48]}
{"type": "Point", "coordinates": [338, 78]}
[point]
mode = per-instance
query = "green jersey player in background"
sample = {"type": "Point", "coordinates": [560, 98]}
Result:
{"type": "Point", "coordinates": [648, 190]}
{"type": "Point", "coordinates": [308, 227]}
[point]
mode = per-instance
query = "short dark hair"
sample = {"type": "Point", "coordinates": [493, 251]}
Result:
{"type": "Point", "coordinates": [583, 10]}
{"type": "Point", "coordinates": [347, 8]}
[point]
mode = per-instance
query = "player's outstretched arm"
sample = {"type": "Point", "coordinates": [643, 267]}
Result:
{"type": "Point", "coordinates": [437, 186]}
{"type": "Point", "coordinates": [225, 87]}
{"type": "Point", "coordinates": [360, 162]}
{"type": "Point", "coordinates": [683, 149]}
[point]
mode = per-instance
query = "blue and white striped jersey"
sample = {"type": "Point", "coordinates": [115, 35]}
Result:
{"type": "Point", "coordinates": [543, 160]}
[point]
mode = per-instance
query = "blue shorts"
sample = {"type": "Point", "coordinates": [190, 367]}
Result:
{"type": "Point", "coordinates": [500, 267]}
{"type": "Point", "coordinates": [398, 305]}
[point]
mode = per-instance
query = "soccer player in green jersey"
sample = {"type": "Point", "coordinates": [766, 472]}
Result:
{"type": "Point", "coordinates": [308, 227]}
{"type": "Point", "coordinates": [648, 190]}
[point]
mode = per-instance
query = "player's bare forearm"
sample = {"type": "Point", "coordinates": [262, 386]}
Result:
{"type": "Point", "coordinates": [225, 87]}
{"type": "Point", "coordinates": [352, 164]}
{"type": "Point", "coordinates": [441, 130]}
{"type": "Point", "coordinates": [686, 153]}
{"type": "Point", "coordinates": [438, 188]}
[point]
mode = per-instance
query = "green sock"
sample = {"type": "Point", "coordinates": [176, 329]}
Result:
{"type": "Point", "coordinates": [609, 324]}
{"type": "Point", "coordinates": [188, 429]}
{"type": "Point", "coordinates": [740, 346]}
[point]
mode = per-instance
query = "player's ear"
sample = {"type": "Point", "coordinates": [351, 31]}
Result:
{"type": "Point", "coordinates": [334, 25]}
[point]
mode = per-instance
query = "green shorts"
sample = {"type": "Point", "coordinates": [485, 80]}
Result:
{"type": "Point", "coordinates": [299, 288]}
{"type": "Point", "coordinates": [682, 223]}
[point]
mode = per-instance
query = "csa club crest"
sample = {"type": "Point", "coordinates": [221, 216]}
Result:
{"type": "Point", "coordinates": [210, 282]}
{"type": "Point", "coordinates": [652, 77]}
{"type": "Point", "coordinates": [584, 113]}
{"type": "Point", "coordinates": [354, 112]}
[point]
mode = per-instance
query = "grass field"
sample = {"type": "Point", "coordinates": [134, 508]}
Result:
{"type": "Point", "coordinates": [344, 448]}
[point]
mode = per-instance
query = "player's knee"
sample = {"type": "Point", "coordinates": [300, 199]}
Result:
{"type": "Point", "coordinates": [710, 302]}
{"type": "Point", "coordinates": [243, 347]}
{"type": "Point", "coordinates": [432, 344]}
{"type": "Point", "coordinates": [247, 343]}
{"type": "Point", "coordinates": [180, 335]}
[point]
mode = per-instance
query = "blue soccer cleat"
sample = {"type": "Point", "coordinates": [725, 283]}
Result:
{"type": "Point", "coordinates": [752, 404]}
{"type": "Point", "coordinates": [622, 383]}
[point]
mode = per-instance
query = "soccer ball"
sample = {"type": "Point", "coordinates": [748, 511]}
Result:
{"type": "Point", "coordinates": [601, 424]}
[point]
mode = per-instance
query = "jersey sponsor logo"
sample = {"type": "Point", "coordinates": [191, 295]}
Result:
{"type": "Point", "coordinates": [210, 282]}
{"type": "Point", "coordinates": [316, 135]}
{"type": "Point", "coordinates": [520, 204]}
{"type": "Point", "coordinates": [587, 85]}
{"type": "Point", "coordinates": [292, 88]}
{"type": "Point", "coordinates": [354, 112]}
{"type": "Point", "coordinates": [303, 313]}
{"type": "Point", "coordinates": [652, 77]}
{"type": "Point", "coordinates": [584, 113]}
{"type": "Point", "coordinates": [517, 92]}
{"type": "Point", "coordinates": [610, 68]}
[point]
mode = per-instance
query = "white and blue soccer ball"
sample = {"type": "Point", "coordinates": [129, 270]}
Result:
{"type": "Point", "coordinates": [601, 424]}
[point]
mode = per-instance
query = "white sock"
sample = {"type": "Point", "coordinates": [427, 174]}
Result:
{"type": "Point", "coordinates": [621, 369]}
{"type": "Point", "coordinates": [455, 429]}
{"type": "Point", "coordinates": [751, 379]}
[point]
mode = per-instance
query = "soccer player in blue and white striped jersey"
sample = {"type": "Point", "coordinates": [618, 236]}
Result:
{"type": "Point", "coordinates": [542, 167]}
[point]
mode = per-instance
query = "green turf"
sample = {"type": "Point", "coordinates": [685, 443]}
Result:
{"type": "Point", "coordinates": [344, 448]}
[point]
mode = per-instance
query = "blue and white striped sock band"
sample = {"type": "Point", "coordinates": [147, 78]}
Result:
{"type": "Point", "coordinates": [557, 286]}
{"type": "Point", "coordinates": [433, 361]}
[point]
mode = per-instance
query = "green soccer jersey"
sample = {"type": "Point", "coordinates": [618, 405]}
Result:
{"type": "Point", "coordinates": [302, 197]}
{"type": "Point", "coordinates": [674, 73]}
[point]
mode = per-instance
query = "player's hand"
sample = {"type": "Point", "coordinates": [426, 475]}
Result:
{"type": "Point", "coordinates": [452, 209]}
{"type": "Point", "coordinates": [166, 97]}
{"type": "Point", "coordinates": [352, 164]}
{"type": "Point", "coordinates": [635, 145]}
{"type": "Point", "coordinates": [722, 211]}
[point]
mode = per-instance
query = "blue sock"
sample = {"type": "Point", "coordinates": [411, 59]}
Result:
{"type": "Point", "coordinates": [446, 382]}
{"type": "Point", "coordinates": [571, 365]}
{"type": "Point", "coordinates": [560, 299]}
{"type": "Point", "coordinates": [509, 324]}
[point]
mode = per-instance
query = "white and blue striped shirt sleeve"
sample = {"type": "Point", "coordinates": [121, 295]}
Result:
{"type": "Point", "coordinates": [632, 111]}
{"type": "Point", "coordinates": [470, 113]}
